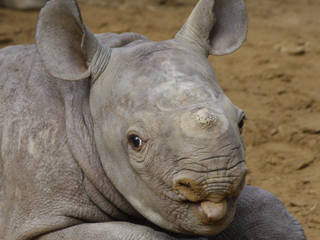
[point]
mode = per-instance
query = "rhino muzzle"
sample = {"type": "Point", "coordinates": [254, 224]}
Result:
{"type": "Point", "coordinates": [210, 205]}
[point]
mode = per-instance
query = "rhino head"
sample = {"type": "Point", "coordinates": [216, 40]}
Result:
{"type": "Point", "coordinates": [168, 138]}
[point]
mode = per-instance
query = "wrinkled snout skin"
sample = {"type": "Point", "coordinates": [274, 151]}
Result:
{"type": "Point", "coordinates": [192, 148]}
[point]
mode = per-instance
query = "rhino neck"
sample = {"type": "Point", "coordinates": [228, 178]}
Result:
{"type": "Point", "coordinates": [81, 141]}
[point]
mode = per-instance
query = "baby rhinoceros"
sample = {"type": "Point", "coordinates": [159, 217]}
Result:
{"type": "Point", "coordinates": [116, 137]}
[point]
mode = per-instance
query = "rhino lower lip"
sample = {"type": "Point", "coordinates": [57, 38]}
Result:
{"type": "Point", "coordinates": [210, 213]}
{"type": "Point", "coordinates": [214, 212]}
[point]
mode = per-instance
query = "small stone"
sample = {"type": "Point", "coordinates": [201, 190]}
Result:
{"type": "Point", "coordinates": [294, 51]}
{"type": "Point", "coordinates": [292, 204]}
{"type": "Point", "coordinates": [286, 79]}
{"type": "Point", "coordinates": [281, 92]}
{"type": "Point", "coordinates": [272, 76]}
{"type": "Point", "coordinates": [305, 165]}
{"type": "Point", "coordinates": [310, 104]}
{"type": "Point", "coordinates": [274, 132]}
{"type": "Point", "coordinates": [311, 131]}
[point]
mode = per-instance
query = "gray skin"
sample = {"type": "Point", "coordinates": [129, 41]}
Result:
{"type": "Point", "coordinates": [23, 4]}
{"type": "Point", "coordinates": [114, 136]}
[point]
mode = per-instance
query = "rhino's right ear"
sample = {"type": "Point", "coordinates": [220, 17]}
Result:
{"type": "Point", "coordinates": [67, 48]}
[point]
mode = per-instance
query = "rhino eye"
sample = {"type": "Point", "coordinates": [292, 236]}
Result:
{"type": "Point", "coordinates": [135, 142]}
{"type": "Point", "coordinates": [241, 123]}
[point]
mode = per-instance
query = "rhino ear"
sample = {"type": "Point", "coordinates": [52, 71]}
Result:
{"type": "Point", "coordinates": [68, 49]}
{"type": "Point", "coordinates": [218, 26]}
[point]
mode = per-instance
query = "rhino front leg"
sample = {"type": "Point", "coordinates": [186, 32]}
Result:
{"type": "Point", "coordinates": [108, 231]}
{"type": "Point", "coordinates": [261, 216]}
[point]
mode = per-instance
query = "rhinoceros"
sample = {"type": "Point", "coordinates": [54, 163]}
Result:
{"type": "Point", "coordinates": [114, 136]}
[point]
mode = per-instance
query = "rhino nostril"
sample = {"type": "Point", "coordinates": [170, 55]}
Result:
{"type": "Point", "coordinates": [184, 184]}
{"type": "Point", "coordinates": [189, 189]}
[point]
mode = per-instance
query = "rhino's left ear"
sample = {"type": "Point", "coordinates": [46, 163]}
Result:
{"type": "Point", "coordinates": [67, 48]}
{"type": "Point", "coordinates": [217, 26]}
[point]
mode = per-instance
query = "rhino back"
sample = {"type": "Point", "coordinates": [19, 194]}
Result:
{"type": "Point", "coordinates": [41, 185]}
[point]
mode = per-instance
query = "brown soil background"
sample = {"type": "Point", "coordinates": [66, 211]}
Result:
{"type": "Point", "coordinates": [274, 77]}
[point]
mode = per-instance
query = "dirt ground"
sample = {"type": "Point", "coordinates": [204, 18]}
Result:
{"type": "Point", "coordinates": [275, 78]}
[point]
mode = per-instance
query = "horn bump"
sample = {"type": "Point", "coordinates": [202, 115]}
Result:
{"type": "Point", "coordinates": [205, 118]}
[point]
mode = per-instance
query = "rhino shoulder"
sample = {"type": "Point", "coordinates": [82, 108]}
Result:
{"type": "Point", "coordinates": [41, 183]}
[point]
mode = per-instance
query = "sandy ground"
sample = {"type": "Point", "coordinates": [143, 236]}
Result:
{"type": "Point", "coordinates": [275, 78]}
